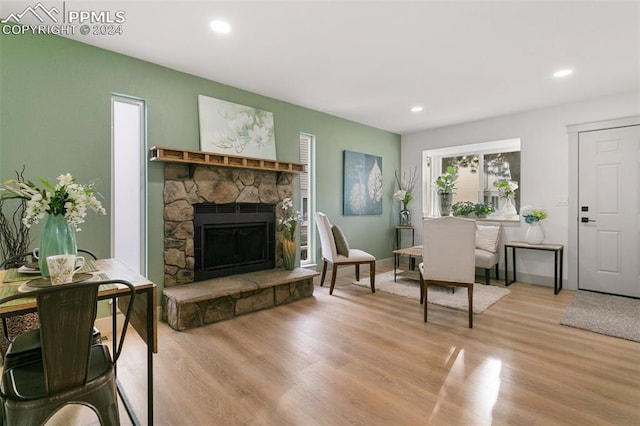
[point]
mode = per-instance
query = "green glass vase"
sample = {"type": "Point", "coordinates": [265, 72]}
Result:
{"type": "Point", "coordinates": [58, 237]}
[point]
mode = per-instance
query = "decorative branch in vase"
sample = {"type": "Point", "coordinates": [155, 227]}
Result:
{"type": "Point", "coordinates": [14, 234]}
{"type": "Point", "coordinates": [405, 194]}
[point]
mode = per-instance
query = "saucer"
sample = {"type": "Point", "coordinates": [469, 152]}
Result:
{"type": "Point", "coordinates": [46, 282]}
{"type": "Point", "coordinates": [29, 269]}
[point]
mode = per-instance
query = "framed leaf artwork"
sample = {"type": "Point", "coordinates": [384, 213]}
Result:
{"type": "Point", "coordinates": [363, 186]}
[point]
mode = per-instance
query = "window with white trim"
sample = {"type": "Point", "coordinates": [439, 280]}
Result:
{"type": "Point", "coordinates": [479, 167]}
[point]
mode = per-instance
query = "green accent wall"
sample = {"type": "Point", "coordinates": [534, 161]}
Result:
{"type": "Point", "coordinates": [55, 117]}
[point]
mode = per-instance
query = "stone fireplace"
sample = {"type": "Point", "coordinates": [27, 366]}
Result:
{"type": "Point", "coordinates": [238, 189]}
{"type": "Point", "coordinates": [188, 188]}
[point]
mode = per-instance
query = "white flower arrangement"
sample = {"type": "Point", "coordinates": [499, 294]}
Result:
{"type": "Point", "coordinates": [289, 219]}
{"type": "Point", "coordinates": [66, 198]}
{"type": "Point", "coordinates": [403, 195]}
{"type": "Point", "coordinates": [405, 187]}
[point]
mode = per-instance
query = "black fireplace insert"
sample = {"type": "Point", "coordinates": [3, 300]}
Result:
{"type": "Point", "coordinates": [233, 238]}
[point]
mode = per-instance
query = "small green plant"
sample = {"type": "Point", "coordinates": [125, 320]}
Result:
{"type": "Point", "coordinates": [465, 208]}
{"type": "Point", "coordinates": [462, 208]}
{"type": "Point", "coordinates": [446, 182]}
{"type": "Point", "coordinates": [482, 209]}
{"type": "Point", "coordinates": [506, 188]}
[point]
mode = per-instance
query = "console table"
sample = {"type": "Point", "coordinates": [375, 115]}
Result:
{"type": "Point", "coordinates": [557, 249]}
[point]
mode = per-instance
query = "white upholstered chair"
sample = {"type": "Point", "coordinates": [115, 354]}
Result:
{"type": "Point", "coordinates": [348, 256]}
{"type": "Point", "coordinates": [448, 253]}
{"type": "Point", "coordinates": [487, 255]}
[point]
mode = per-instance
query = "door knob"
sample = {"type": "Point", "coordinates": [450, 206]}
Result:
{"type": "Point", "coordinates": [586, 220]}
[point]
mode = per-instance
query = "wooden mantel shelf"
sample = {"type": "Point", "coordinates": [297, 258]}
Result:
{"type": "Point", "coordinates": [178, 155]}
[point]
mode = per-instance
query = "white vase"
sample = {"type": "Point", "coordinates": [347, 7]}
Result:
{"type": "Point", "coordinates": [535, 234]}
{"type": "Point", "coordinates": [509, 210]}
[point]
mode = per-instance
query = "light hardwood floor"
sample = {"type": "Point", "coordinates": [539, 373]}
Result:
{"type": "Point", "coordinates": [368, 359]}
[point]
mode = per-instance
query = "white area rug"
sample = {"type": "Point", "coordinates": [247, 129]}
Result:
{"type": "Point", "coordinates": [615, 316]}
{"type": "Point", "coordinates": [483, 295]}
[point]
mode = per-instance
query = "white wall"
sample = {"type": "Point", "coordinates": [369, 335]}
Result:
{"type": "Point", "coordinates": [544, 163]}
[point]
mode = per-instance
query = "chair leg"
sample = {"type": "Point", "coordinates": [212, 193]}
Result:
{"type": "Point", "coordinates": [324, 273]}
{"type": "Point", "coordinates": [357, 272]}
{"type": "Point", "coordinates": [372, 276]}
{"type": "Point", "coordinates": [497, 272]}
{"type": "Point", "coordinates": [470, 294]}
{"type": "Point", "coordinates": [421, 287]}
{"type": "Point", "coordinates": [334, 273]}
{"type": "Point", "coordinates": [487, 272]}
{"type": "Point", "coordinates": [425, 284]}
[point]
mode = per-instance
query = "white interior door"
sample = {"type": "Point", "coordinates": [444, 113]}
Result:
{"type": "Point", "coordinates": [609, 211]}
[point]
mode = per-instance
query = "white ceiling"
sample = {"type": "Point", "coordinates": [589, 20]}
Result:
{"type": "Point", "coordinates": [371, 61]}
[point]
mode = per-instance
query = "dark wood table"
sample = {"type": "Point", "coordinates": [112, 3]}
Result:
{"type": "Point", "coordinates": [144, 318]}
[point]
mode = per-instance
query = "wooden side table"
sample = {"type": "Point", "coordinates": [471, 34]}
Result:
{"type": "Point", "coordinates": [557, 249]}
{"type": "Point", "coordinates": [413, 253]}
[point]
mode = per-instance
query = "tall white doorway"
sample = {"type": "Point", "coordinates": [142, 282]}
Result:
{"type": "Point", "coordinates": [307, 199]}
{"type": "Point", "coordinates": [609, 210]}
{"type": "Point", "coordinates": [129, 182]}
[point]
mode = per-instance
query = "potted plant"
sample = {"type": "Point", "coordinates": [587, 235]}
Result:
{"type": "Point", "coordinates": [462, 208]}
{"type": "Point", "coordinates": [481, 210]}
{"type": "Point", "coordinates": [446, 183]}
{"type": "Point", "coordinates": [533, 217]}
{"type": "Point", "coordinates": [507, 191]}
{"type": "Point", "coordinates": [466, 208]}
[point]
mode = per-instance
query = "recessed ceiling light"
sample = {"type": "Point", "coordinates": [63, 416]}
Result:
{"type": "Point", "coordinates": [220, 27]}
{"type": "Point", "coordinates": [562, 73]}
{"type": "Point", "coordinates": [416, 109]}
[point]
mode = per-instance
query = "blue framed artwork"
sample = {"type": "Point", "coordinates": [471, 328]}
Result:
{"type": "Point", "coordinates": [363, 188]}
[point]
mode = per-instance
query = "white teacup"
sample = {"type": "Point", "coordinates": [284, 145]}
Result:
{"type": "Point", "coordinates": [63, 266]}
